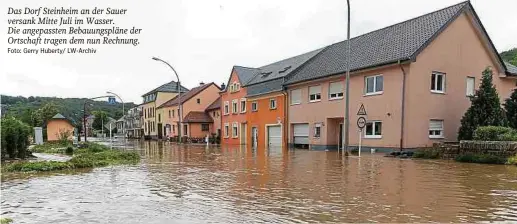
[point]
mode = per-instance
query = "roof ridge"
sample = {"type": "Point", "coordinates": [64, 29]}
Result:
{"type": "Point", "coordinates": [198, 90]}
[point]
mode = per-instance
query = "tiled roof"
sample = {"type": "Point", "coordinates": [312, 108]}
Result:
{"type": "Point", "coordinates": [197, 117]}
{"type": "Point", "coordinates": [401, 41]}
{"type": "Point", "coordinates": [512, 69]}
{"type": "Point", "coordinates": [245, 74]}
{"type": "Point", "coordinates": [215, 105]}
{"type": "Point", "coordinates": [58, 116]}
{"type": "Point", "coordinates": [184, 97]}
{"type": "Point", "coordinates": [170, 87]}
{"type": "Point", "coordinates": [265, 87]}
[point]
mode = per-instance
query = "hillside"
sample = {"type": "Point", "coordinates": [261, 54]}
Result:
{"type": "Point", "coordinates": [22, 107]}
{"type": "Point", "coordinates": [510, 56]}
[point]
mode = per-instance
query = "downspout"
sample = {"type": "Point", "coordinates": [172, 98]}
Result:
{"type": "Point", "coordinates": [286, 123]}
{"type": "Point", "coordinates": [403, 106]}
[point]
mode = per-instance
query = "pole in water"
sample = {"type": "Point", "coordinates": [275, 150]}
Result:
{"type": "Point", "coordinates": [360, 138]}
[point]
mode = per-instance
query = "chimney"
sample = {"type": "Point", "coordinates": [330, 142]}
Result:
{"type": "Point", "coordinates": [223, 86]}
{"type": "Point", "coordinates": [201, 83]}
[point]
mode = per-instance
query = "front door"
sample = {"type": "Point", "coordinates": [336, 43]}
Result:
{"type": "Point", "coordinates": [160, 131]}
{"type": "Point", "coordinates": [340, 137]}
{"type": "Point", "coordinates": [274, 136]}
{"type": "Point", "coordinates": [243, 134]}
{"type": "Point", "coordinates": [254, 137]}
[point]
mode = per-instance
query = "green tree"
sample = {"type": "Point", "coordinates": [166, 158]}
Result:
{"type": "Point", "coordinates": [101, 117]}
{"type": "Point", "coordinates": [15, 138]}
{"type": "Point", "coordinates": [44, 113]}
{"type": "Point", "coordinates": [510, 56]}
{"type": "Point", "coordinates": [485, 109]}
{"type": "Point", "coordinates": [510, 105]}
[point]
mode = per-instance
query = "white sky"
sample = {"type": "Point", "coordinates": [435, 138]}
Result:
{"type": "Point", "coordinates": [203, 39]}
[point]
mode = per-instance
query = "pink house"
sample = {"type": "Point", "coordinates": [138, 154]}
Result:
{"type": "Point", "coordinates": [414, 79]}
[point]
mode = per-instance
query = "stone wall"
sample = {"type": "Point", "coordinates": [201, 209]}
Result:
{"type": "Point", "coordinates": [450, 150]}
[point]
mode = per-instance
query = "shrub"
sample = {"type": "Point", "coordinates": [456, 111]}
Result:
{"type": "Point", "coordinates": [512, 160]}
{"type": "Point", "coordinates": [495, 133]}
{"type": "Point", "coordinates": [69, 150]}
{"type": "Point", "coordinates": [15, 138]}
{"type": "Point", "coordinates": [37, 166]}
{"type": "Point", "coordinates": [480, 158]}
{"type": "Point", "coordinates": [5, 220]}
{"type": "Point", "coordinates": [426, 154]}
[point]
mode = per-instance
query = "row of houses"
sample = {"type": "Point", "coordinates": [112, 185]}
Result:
{"type": "Point", "coordinates": [414, 78]}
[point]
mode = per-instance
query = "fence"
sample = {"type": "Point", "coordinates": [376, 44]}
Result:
{"type": "Point", "coordinates": [450, 150]}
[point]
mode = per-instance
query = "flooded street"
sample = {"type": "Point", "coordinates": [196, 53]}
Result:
{"type": "Point", "coordinates": [192, 184]}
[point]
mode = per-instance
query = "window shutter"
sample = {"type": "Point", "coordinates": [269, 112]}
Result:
{"type": "Point", "coordinates": [435, 125]}
{"type": "Point", "coordinates": [314, 90]}
{"type": "Point", "coordinates": [296, 96]}
{"type": "Point", "coordinates": [336, 87]}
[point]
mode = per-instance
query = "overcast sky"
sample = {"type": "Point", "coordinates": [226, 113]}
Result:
{"type": "Point", "coordinates": [203, 39]}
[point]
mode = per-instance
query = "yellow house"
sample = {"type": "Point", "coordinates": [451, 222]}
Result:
{"type": "Point", "coordinates": [153, 99]}
{"type": "Point", "coordinates": [58, 126]}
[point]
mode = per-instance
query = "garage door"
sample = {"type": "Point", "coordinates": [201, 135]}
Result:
{"type": "Point", "coordinates": [301, 134]}
{"type": "Point", "coordinates": [274, 134]}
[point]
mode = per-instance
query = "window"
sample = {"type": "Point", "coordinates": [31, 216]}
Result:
{"type": "Point", "coordinates": [204, 127]}
{"type": "Point", "coordinates": [145, 127]}
{"type": "Point", "coordinates": [314, 93]}
{"type": "Point", "coordinates": [237, 86]}
{"type": "Point", "coordinates": [296, 96]}
{"type": "Point", "coordinates": [226, 130]}
{"type": "Point", "coordinates": [198, 101]}
{"type": "Point", "coordinates": [438, 82]}
{"type": "Point", "coordinates": [234, 107]}
{"type": "Point", "coordinates": [231, 88]}
{"type": "Point", "coordinates": [471, 86]}
{"type": "Point", "coordinates": [373, 129]}
{"type": "Point", "coordinates": [317, 130]}
{"type": "Point", "coordinates": [169, 113]}
{"type": "Point", "coordinates": [243, 105]}
{"type": "Point", "coordinates": [235, 129]}
{"type": "Point", "coordinates": [213, 113]}
{"type": "Point", "coordinates": [436, 129]}
{"type": "Point", "coordinates": [336, 90]}
{"type": "Point", "coordinates": [254, 106]}
{"type": "Point", "coordinates": [374, 85]}
{"type": "Point", "coordinates": [185, 130]}
{"type": "Point", "coordinates": [272, 104]}
{"type": "Point", "coordinates": [173, 128]}
{"type": "Point", "coordinates": [173, 112]}
{"type": "Point", "coordinates": [179, 113]}
{"type": "Point", "coordinates": [145, 113]}
{"type": "Point", "coordinates": [226, 108]}
{"type": "Point", "coordinates": [159, 117]}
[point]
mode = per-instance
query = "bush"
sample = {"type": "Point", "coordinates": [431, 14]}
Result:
{"type": "Point", "coordinates": [480, 158]}
{"type": "Point", "coordinates": [495, 133]}
{"type": "Point", "coordinates": [5, 220]}
{"type": "Point", "coordinates": [512, 160]}
{"type": "Point", "coordinates": [426, 154]}
{"type": "Point", "coordinates": [69, 150]}
{"type": "Point", "coordinates": [37, 166]}
{"type": "Point", "coordinates": [15, 138]}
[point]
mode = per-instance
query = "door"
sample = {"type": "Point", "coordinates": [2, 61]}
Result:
{"type": "Point", "coordinates": [160, 129]}
{"type": "Point", "coordinates": [243, 134]}
{"type": "Point", "coordinates": [254, 137]}
{"type": "Point", "coordinates": [340, 137]}
{"type": "Point", "coordinates": [301, 135]}
{"type": "Point", "coordinates": [274, 136]}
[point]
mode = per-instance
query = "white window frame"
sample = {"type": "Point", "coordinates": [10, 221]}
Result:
{"type": "Point", "coordinates": [375, 92]}
{"type": "Point", "coordinates": [436, 82]}
{"type": "Point", "coordinates": [240, 105]}
{"type": "Point", "coordinates": [473, 90]}
{"type": "Point", "coordinates": [226, 110]}
{"type": "Point", "coordinates": [254, 106]}
{"type": "Point", "coordinates": [299, 94]}
{"type": "Point", "coordinates": [235, 106]}
{"type": "Point", "coordinates": [316, 94]}
{"type": "Point", "coordinates": [236, 133]}
{"type": "Point", "coordinates": [316, 127]}
{"type": "Point", "coordinates": [336, 97]}
{"type": "Point", "coordinates": [434, 136]}
{"type": "Point", "coordinates": [226, 130]}
{"type": "Point", "coordinates": [272, 100]}
{"type": "Point", "coordinates": [373, 136]}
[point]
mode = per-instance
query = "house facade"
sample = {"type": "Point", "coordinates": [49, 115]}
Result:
{"type": "Point", "coordinates": [196, 123]}
{"type": "Point", "coordinates": [413, 78]}
{"type": "Point", "coordinates": [133, 122]}
{"type": "Point", "coordinates": [214, 111]}
{"type": "Point", "coordinates": [234, 106]}
{"type": "Point", "coordinates": [151, 101]}
{"type": "Point", "coordinates": [59, 127]}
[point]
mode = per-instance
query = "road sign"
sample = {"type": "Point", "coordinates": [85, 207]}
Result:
{"type": "Point", "coordinates": [361, 122]}
{"type": "Point", "coordinates": [112, 100]}
{"type": "Point", "coordinates": [362, 111]}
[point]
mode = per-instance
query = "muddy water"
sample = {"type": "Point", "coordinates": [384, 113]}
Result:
{"type": "Point", "coordinates": [196, 185]}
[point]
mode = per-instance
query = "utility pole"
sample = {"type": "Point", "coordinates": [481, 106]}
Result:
{"type": "Point", "coordinates": [347, 95]}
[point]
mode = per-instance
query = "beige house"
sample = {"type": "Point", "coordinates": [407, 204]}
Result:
{"type": "Point", "coordinates": [151, 101]}
{"type": "Point", "coordinates": [414, 79]}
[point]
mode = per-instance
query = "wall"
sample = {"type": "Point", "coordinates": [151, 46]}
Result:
{"type": "Point", "coordinates": [196, 132]}
{"type": "Point", "coordinates": [264, 116]}
{"type": "Point", "coordinates": [385, 107]}
{"type": "Point", "coordinates": [216, 116]}
{"type": "Point", "coordinates": [161, 98]}
{"type": "Point", "coordinates": [55, 126]}
{"type": "Point", "coordinates": [459, 52]}
{"type": "Point", "coordinates": [230, 118]}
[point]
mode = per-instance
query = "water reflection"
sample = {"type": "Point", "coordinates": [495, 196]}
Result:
{"type": "Point", "coordinates": [193, 184]}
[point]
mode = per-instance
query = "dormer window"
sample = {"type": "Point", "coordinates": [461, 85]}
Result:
{"type": "Point", "coordinates": [265, 74]}
{"type": "Point", "coordinates": [285, 69]}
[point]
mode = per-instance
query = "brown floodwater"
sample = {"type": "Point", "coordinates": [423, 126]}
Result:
{"type": "Point", "coordinates": [193, 184]}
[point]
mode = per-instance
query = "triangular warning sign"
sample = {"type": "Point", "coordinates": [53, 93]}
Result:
{"type": "Point", "coordinates": [362, 111]}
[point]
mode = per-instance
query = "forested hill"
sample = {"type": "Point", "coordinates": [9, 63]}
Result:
{"type": "Point", "coordinates": [510, 56]}
{"type": "Point", "coordinates": [26, 108]}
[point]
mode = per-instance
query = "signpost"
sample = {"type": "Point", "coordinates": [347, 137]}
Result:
{"type": "Point", "coordinates": [361, 123]}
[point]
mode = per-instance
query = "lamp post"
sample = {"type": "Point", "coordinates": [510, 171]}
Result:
{"type": "Point", "coordinates": [347, 90]}
{"type": "Point", "coordinates": [84, 113]}
{"type": "Point", "coordinates": [180, 126]}
{"type": "Point", "coordinates": [123, 115]}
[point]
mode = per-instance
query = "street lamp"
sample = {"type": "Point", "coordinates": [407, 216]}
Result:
{"type": "Point", "coordinates": [179, 96]}
{"type": "Point", "coordinates": [347, 90]}
{"type": "Point", "coordinates": [123, 115]}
